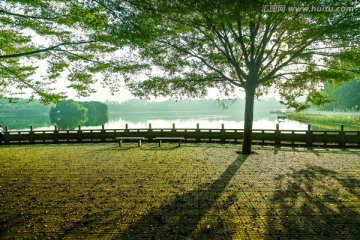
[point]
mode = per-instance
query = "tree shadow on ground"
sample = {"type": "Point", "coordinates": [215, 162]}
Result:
{"type": "Point", "coordinates": [317, 151]}
{"type": "Point", "coordinates": [131, 145]}
{"type": "Point", "coordinates": [315, 203]}
{"type": "Point", "coordinates": [182, 218]}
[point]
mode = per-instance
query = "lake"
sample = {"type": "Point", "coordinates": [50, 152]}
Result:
{"type": "Point", "coordinates": [166, 119]}
{"type": "Point", "coordinates": [191, 119]}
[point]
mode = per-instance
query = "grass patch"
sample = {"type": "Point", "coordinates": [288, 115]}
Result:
{"type": "Point", "coordinates": [101, 191]}
{"type": "Point", "coordinates": [327, 121]}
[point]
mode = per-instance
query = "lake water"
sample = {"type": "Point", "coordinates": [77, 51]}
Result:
{"type": "Point", "coordinates": [184, 119]}
{"type": "Point", "coordinates": [191, 119]}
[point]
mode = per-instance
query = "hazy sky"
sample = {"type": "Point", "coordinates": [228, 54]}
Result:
{"type": "Point", "coordinates": [102, 94]}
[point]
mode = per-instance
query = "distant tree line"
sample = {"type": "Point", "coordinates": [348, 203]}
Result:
{"type": "Point", "coordinates": [22, 107]}
{"type": "Point", "coordinates": [69, 114]}
{"type": "Point", "coordinates": [345, 96]}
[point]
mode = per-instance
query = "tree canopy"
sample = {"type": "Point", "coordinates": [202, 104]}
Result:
{"type": "Point", "coordinates": [43, 42]}
{"type": "Point", "coordinates": [183, 48]}
{"type": "Point", "coordinates": [227, 44]}
{"type": "Point", "coordinates": [198, 45]}
{"type": "Point", "coordinates": [345, 96]}
{"type": "Point", "coordinates": [70, 114]}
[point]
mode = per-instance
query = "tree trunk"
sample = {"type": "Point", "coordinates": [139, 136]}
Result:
{"type": "Point", "coordinates": [249, 115]}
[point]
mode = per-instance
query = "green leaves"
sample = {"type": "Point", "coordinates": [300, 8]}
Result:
{"type": "Point", "coordinates": [178, 46]}
{"type": "Point", "coordinates": [71, 37]}
{"type": "Point", "coordinates": [345, 96]}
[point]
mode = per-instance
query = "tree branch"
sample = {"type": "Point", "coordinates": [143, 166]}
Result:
{"type": "Point", "coordinates": [26, 16]}
{"type": "Point", "coordinates": [295, 55]}
{"type": "Point", "coordinates": [229, 53]}
{"type": "Point", "coordinates": [76, 55]}
{"type": "Point", "coordinates": [240, 38]}
{"type": "Point", "coordinates": [43, 50]}
{"type": "Point", "coordinates": [21, 79]}
{"type": "Point", "coordinates": [269, 31]}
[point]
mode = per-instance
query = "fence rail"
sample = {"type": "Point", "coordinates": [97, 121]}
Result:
{"type": "Point", "coordinates": [307, 138]}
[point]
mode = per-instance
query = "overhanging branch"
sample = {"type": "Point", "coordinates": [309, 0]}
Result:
{"type": "Point", "coordinates": [23, 54]}
{"type": "Point", "coordinates": [26, 16]}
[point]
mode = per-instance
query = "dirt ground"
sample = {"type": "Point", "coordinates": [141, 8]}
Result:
{"type": "Point", "coordinates": [196, 191]}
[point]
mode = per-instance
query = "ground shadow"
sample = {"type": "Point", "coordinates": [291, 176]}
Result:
{"type": "Point", "coordinates": [316, 150]}
{"type": "Point", "coordinates": [117, 148]}
{"type": "Point", "coordinates": [315, 203]}
{"type": "Point", "coordinates": [180, 218]}
{"type": "Point", "coordinates": [154, 146]}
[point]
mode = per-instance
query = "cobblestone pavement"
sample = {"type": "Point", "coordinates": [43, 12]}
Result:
{"type": "Point", "coordinates": [196, 191]}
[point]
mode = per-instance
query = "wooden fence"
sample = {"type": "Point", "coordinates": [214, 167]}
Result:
{"type": "Point", "coordinates": [307, 138]}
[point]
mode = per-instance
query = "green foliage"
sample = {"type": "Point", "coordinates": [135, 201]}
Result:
{"type": "Point", "coordinates": [191, 46]}
{"type": "Point", "coordinates": [328, 118]}
{"type": "Point", "coordinates": [345, 96]}
{"type": "Point", "coordinates": [68, 39]}
{"type": "Point", "coordinates": [22, 114]}
{"type": "Point", "coordinates": [198, 45]}
{"type": "Point", "coordinates": [97, 113]}
{"type": "Point", "coordinates": [69, 114]}
{"type": "Point", "coordinates": [22, 107]}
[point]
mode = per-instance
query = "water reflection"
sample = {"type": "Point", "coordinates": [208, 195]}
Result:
{"type": "Point", "coordinates": [70, 114]}
{"type": "Point", "coordinates": [184, 119]}
{"type": "Point", "coordinates": [67, 121]}
{"type": "Point", "coordinates": [24, 122]}
{"type": "Point", "coordinates": [191, 119]}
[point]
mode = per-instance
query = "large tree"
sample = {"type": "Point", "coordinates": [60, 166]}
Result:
{"type": "Point", "coordinates": [195, 45]}
{"type": "Point", "coordinates": [186, 47]}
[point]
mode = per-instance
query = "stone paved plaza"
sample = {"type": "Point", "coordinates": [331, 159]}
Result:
{"type": "Point", "coordinates": [196, 191]}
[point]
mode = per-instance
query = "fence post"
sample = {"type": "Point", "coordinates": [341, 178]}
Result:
{"type": "Point", "coordinates": [79, 134]}
{"type": "Point", "coordinates": [173, 130]}
{"type": "Point", "coordinates": [103, 133]}
{"type": "Point", "coordinates": [6, 135]}
{"type": "Point", "coordinates": [150, 133]}
{"type": "Point", "coordinates": [222, 133]}
{"type": "Point", "coordinates": [342, 136]}
{"type": "Point", "coordinates": [197, 132]}
{"type": "Point", "coordinates": [277, 135]}
{"type": "Point", "coordinates": [126, 131]}
{"type": "Point", "coordinates": [56, 135]}
{"type": "Point", "coordinates": [309, 136]}
{"type": "Point", "coordinates": [31, 135]}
